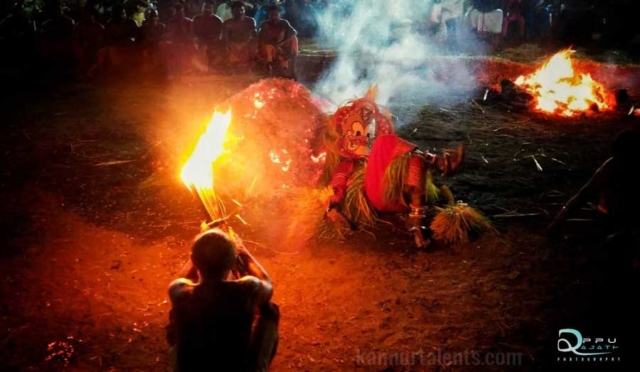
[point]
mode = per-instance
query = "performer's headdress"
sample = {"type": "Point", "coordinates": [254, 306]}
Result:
{"type": "Point", "coordinates": [358, 123]}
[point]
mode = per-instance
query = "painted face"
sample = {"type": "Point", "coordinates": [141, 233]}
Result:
{"type": "Point", "coordinates": [358, 125]}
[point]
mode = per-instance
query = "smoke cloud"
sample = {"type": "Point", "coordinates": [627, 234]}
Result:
{"type": "Point", "coordinates": [385, 42]}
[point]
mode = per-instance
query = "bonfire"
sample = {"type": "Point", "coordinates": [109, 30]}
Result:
{"type": "Point", "coordinates": [557, 88]}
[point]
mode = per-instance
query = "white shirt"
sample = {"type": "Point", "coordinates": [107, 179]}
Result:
{"type": "Point", "coordinates": [224, 12]}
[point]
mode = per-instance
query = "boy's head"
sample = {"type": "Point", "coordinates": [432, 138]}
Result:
{"type": "Point", "coordinates": [214, 254]}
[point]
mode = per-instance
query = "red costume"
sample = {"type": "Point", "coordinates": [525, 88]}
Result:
{"type": "Point", "coordinates": [367, 135]}
{"type": "Point", "coordinates": [366, 138]}
{"type": "Point", "coordinates": [386, 149]}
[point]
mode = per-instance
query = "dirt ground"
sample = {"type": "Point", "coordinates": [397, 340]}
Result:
{"type": "Point", "coordinates": [96, 223]}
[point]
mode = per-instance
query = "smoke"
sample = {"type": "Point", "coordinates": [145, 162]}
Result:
{"type": "Point", "coordinates": [385, 42]}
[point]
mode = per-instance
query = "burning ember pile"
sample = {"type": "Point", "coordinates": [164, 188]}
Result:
{"type": "Point", "coordinates": [558, 89]}
{"type": "Point", "coordinates": [257, 143]}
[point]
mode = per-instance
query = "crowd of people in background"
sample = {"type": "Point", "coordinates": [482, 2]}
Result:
{"type": "Point", "coordinates": [607, 23]}
{"type": "Point", "coordinates": [175, 36]}
{"type": "Point", "coordinates": [99, 37]}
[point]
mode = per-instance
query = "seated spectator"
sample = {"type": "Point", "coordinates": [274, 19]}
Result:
{"type": "Point", "coordinates": [88, 40]}
{"type": "Point", "coordinates": [207, 29]}
{"type": "Point", "coordinates": [278, 45]}
{"type": "Point", "coordinates": [16, 25]}
{"type": "Point", "coordinates": [149, 38]}
{"type": "Point", "coordinates": [443, 19]}
{"type": "Point", "coordinates": [17, 33]}
{"type": "Point", "coordinates": [152, 31]}
{"type": "Point", "coordinates": [485, 16]}
{"type": "Point", "coordinates": [222, 317]}
{"type": "Point", "coordinates": [262, 13]}
{"type": "Point", "coordinates": [119, 52]}
{"type": "Point", "coordinates": [513, 14]}
{"type": "Point", "coordinates": [136, 10]}
{"type": "Point", "coordinates": [56, 36]}
{"type": "Point", "coordinates": [59, 27]}
{"type": "Point", "coordinates": [239, 34]}
{"type": "Point", "coordinates": [179, 27]}
{"type": "Point", "coordinates": [178, 48]}
{"type": "Point", "coordinates": [120, 30]}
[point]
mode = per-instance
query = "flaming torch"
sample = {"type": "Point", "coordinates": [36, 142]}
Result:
{"type": "Point", "coordinates": [197, 173]}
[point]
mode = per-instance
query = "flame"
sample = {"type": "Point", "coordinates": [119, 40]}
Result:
{"type": "Point", "coordinates": [197, 172]}
{"type": "Point", "coordinates": [557, 88]}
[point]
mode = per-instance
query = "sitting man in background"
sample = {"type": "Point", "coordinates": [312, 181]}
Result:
{"type": "Point", "coordinates": [278, 44]}
{"type": "Point", "coordinates": [212, 321]}
{"type": "Point", "coordinates": [239, 34]}
{"type": "Point", "coordinates": [120, 35]}
{"type": "Point", "coordinates": [150, 36]}
{"type": "Point", "coordinates": [616, 186]}
{"type": "Point", "coordinates": [485, 17]}
{"type": "Point", "coordinates": [513, 14]}
{"type": "Point", "coordinates": [178, 48]}
{"type": "Point", "coordinates": [88, 39]}
{"type": "Point", "coordinates": [56, 37]}
{"type": "Point", "coordinates": [207, 29]}
{"type": "Point", "coordinates": [262, 13]}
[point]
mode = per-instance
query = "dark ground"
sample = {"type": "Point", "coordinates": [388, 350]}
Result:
{"type": "Point", "coordinates": [96, 223]}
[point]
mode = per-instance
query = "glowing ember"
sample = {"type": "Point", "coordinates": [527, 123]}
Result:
{"type": "Point", "coordinates": [197, 172]}
{"type": "Point", "coordinates": [320, 158]}
{"type": "Point", "coordinates": [276, 159]}
{"type": "Point", "coordinates": [557, 88]}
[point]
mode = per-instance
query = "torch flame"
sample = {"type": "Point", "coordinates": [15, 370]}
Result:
{"type": "Point", "coordinates": [557, 88]}
{"type": "Point", "coordinates": [197, 172]}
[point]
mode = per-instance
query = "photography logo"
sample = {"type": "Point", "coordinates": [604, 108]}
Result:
{"type": "Point", "coordinates": [572, 347]}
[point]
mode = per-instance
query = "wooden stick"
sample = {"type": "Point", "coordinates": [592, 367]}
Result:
{"type": "Point", "coordinates": [515, 215]}
{"type": "Point", "coordinates": [476, 105]}
{"type": "Point", "coordinates": [115, 162]}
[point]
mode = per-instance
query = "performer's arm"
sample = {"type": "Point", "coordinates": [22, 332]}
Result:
{"type": "Point", "coordinates": [339, 183]}
{"type": "Point", "coordinates": [595, 185]}
{"type": "Point", "coordinates": [256, 275]}
{"type": "Point", "coordinates": [179, 290]}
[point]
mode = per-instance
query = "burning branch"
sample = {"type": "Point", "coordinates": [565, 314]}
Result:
{"type": "Point", "coordinates": [197, 173]}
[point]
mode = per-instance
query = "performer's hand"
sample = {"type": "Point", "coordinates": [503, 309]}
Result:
{"type": "Point", "coordinates": [241, 248]}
